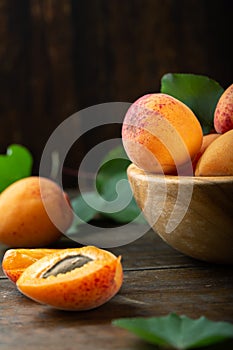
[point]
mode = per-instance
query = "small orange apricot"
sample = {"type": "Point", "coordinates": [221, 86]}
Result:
{"type": "Point", "coordinates": [34, 211]}
{"type": "Point", "coordinates": [15, 261]}
{"type": "Point", "coordinates": [223, 115]}
{"type": "Point", "coordinates": [207, 140]}
{"type": "Point", "coordinates": [161, 134]}
{"type": "Point", "coordinates": [73, 279]}
{"type": "Point", "coordinates": [217, 160]}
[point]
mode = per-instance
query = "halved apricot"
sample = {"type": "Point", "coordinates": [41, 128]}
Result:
{"type": "Point", "coordinates": [73, 279]}
{"type": "Point", "coordinates": [15, 261]}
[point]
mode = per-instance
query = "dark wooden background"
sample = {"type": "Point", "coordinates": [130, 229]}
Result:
{"type": "Point", "coordinates": [57, 57]}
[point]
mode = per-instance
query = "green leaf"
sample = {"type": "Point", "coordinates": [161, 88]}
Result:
{"type": "Point", "coordinates": [114, 199]}
{"type": "Point", "coordinates": [115, 161]}
{"type": "Point", "coordinates": [198, 92]}
{"type": "Point", "coordinates": [118, 193]}
{"type": "Point", "coordinates": [85, 206]}
{"type": "Point", "coordinates": [180, 332]}
{"type": "Point", "coordinates": [16, 164]}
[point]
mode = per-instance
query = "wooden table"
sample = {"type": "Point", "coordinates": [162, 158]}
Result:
{"type": "Point", "coordinates": [157, 280]}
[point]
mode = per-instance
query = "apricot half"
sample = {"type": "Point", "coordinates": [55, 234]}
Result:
{"type": "Point", "coordinates": [73, 279]}
{"type": "Point", "coordinates": [25, 213]}
{"type": "Point", "coordinates": [161, 134]}
{"type": "Point", "coordinates": [15, 261]}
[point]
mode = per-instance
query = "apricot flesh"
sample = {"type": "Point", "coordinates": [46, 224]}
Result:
{"type": "Point", "coordinates": [25, 213]}
{"type": "Point", "coordinates": [81, 288]}
{"type": "Point", "coordinates": [161, 134]}
{"type": "Point", "coordinates": [223, 115]}
{"type": "Point", "coordinates": [217, 160]}
{"type": "Point", "coordinates": [15, 261]}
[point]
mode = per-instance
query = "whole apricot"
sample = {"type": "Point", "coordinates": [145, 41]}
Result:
{"type": "Point", "coordinates": [34, 211]}
{"type": "Point", "coordinates": [207, 140]}
{"type": "Point", "coordinates": [223, 115]}
{"type": "Point", "coordinates": [217, 160]}
{"type": "Point", "coordinates": [73, 279]}
{"type": "Point", "coordinates": [161, 134]}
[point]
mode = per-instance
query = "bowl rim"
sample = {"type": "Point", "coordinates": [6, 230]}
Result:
{"type": "Point", "coordinates": [135, 171]}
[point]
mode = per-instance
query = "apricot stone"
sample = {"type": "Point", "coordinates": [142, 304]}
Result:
{"type": "Point", "coordinates": [73, 279]}
{"type": "Point", "coordinates": [161, 134]}
{"type": "Point", "coordinates": [223, 115]}
{"type": "Point", "coordinates": [217, 160]}
{"type": "Point", "coordinates": [34, 211]}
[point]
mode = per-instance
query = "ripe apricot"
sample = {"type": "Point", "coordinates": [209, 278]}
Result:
{"type": "Point", "coordinates": [15, 261]}
{"type": "Point", "coordinates": [73, 279]}
{"type": "Point", "coordinates": [217, 160]}
{"type": "Point", "coordinates": [161, 134]}
{"type": "Point", "coordinates": [207, 140]}
{"type": "Point", "coordinates": [223, 115]}
{"type": "Point", "coordinates": [24, 218]}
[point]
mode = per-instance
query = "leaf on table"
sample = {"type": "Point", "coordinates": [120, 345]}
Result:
{"type": "Point", "coordinates": [14, 165]}
{"type": "Point", "coordinates": [179, 332]}
{"type": "Point", "coordinates": [198, 92]}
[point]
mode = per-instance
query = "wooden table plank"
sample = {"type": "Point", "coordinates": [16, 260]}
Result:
{"type": "Point", "coordinates": [144, 293]}
{"type": "Point", "coordinates": [157, 280]}
{"type": "Point", "coordinates": [146, 252]}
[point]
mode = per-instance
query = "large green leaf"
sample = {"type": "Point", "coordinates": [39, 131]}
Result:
{"type": "Point", "coordinates": [198, 92]}
{"type": "Point", "coordinates": [14, 165]}
{"type": "Point", "coordinates": [114, 162]}
{"type": "Point", "coordinates": [114, 199]}
{"type": "Point", "coordinates": [118, 193]}
{"type": "Point", "coordinates": [179, 332]}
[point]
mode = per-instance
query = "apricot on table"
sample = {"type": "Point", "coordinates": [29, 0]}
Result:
{"type": "Point", "coordinates": [15, 261]}
{"type": "Point", "coordinates": [73, 279]}
{"type": "Point", "coordinates": [217, 160]}
{"type": "Point", "coordinates": [223, 115]}
{"type": "Point", "coordinates": [161, 134]}
{"type": "Point", "coordinates": [34, 211]}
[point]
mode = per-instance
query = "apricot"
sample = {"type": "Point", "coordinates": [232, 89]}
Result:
{"type": "Point", "coordinates": [73, 279]}
{"type": "Point", "coordinates": [15, 261]}
{"type": "Point", "coordinates": [223, 115]}
{"type": "Point", "coordinates": [207, 140]}
{"type": "Point", "coordinates": [161, 134]}
{"type": "Point", "coordinates": [34, 212]}
{"type": "Point", "coordinates": [217, 160]}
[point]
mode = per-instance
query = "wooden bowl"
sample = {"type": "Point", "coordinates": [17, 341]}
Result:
{"type": "Point", "coordinates": [192, 214]}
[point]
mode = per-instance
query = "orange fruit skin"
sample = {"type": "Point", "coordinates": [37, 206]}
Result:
{"type": "Point", "coordinates": [15, 261]}
{"type": "Point", "coordinates": [81, 289]}
{"type": "Point", "coordinates": [223, 115]}
{"type": "Point", "coordinates": [207, 140]}
{"type": "Point", "coordinates": [161, 134]}
{"type": "Point", "coordinates": [217, 160]}
{"type": "Point", "coordinates": [24, 218]}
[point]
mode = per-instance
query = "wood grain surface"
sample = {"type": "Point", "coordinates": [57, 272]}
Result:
{"type": "Point", "coordinates": [157, 280]}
